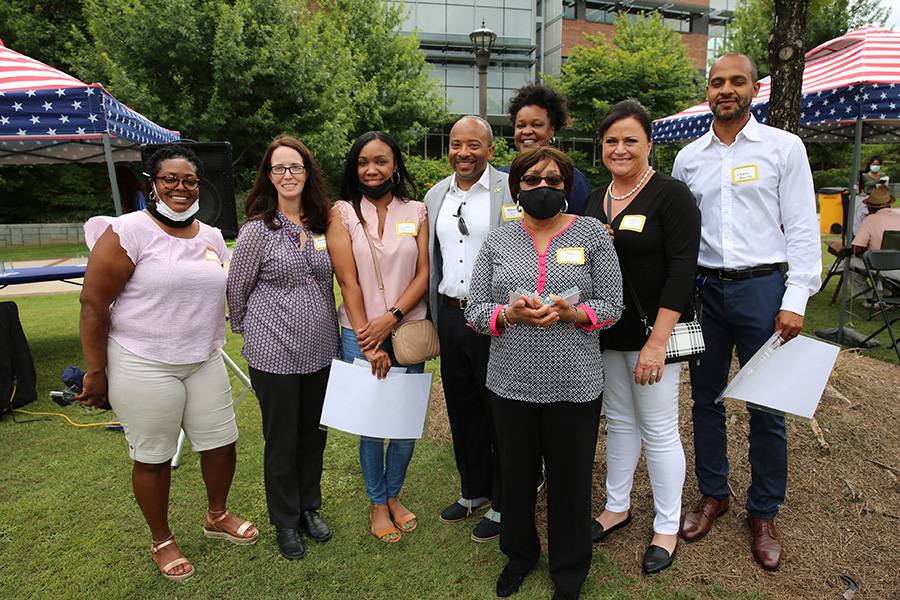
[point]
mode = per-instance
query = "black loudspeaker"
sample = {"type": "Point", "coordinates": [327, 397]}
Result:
{"type": "Point", "coordinates": [217, 205]}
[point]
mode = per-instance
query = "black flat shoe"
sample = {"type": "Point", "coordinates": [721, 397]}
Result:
{"type": "Point", "coordinates": [563, 595]}
{"type": "Point", "coordinates": [290, 543]}
{"type": "Point", "coordinates": [457, 512]}
{"type": "Point", "coordinates": [313, 524]}
{"type": "Point", "coordinates": [657, 559]}
{"type": "Point", "coordinates": [598, 534]}
{"type": "Point", "coordinates": [509, 582]}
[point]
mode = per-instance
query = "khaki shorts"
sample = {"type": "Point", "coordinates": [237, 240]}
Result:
{"type": "Point", "coordinates": [154, 401]}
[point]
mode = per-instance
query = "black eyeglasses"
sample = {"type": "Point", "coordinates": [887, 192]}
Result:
{"type": "Point", "coordinates": [461, 222]}
{"type": "Point", "coordinates": [535, 180]}
{"type": "Point", "coordinates": [170, 182]}
{"type": "Point", "coordinates": [294, 169]}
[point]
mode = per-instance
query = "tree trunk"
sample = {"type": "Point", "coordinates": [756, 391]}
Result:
{"type": "Point", "coordinates": [786, 61]}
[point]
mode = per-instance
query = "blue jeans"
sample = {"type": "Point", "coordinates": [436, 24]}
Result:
{"type": "Point", "coordinates": [384, 474]}
{"type": "Point", "coordinates": [737, 314]}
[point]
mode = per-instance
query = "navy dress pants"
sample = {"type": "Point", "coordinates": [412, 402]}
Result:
{"type": "Point", "coordinates": [737, 314]}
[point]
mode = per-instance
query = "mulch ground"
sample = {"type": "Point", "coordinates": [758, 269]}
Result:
{"type": "Point", "coordinates": [841, 516]}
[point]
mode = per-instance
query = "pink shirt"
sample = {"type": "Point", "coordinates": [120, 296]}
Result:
{"type": "Point", "coordinates": [873, 227]}
{"type": "Point", "coordinates": [397, 254]}
{"type": "Point", "coordinates": [172, 308]}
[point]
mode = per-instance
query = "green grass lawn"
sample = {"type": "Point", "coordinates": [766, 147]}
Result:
{"type": "Point", "coordinates": [69, 526]}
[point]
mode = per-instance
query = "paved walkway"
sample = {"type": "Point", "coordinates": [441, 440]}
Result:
{"type": "Point", "coordinates": [44, 287]}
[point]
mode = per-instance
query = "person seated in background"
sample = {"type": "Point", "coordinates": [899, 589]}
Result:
{"type": "Point", "coordinates": [131, 190]}
{"type": "Point", "coordinates": [880, 219]}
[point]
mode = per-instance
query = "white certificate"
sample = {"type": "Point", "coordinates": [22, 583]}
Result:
{"type": "Point", "coordinates": [786, 378]}
{"type": "Point", "coordinates": [357, 402]}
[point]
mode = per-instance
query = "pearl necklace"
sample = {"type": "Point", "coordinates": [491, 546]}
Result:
{"type": "Point", "coordinates": [634, 189]}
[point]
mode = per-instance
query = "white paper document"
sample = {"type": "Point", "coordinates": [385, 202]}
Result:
{"type": "Point", "coordinates": [358, 403]}
{"type": "Point", "coordinates": [787, 378]}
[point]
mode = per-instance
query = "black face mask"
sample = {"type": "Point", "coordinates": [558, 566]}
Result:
{"type": "Point", "coordinates": [542, 202]}
{"type": "Point", "coordinates": [379, 191]}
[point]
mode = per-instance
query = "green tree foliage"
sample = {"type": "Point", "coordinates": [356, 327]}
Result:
{"type": "Point", "coordinates": [826, 20]}
{"type": "Point", "coordinates": [646, 61]}
{"type": "Point", "coordinates": [44, 30]}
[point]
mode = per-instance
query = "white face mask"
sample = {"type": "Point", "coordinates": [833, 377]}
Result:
{"type": "Point", "coordinates": [167, 212]}
{"type": "Point", "coordinates": [875, 168]}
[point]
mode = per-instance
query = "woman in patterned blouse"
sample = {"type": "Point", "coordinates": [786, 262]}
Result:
{"type": "Point", "coordinates": [281, 298]}
{"type": "Point", "coordinates": [376, 209]}
{"type": "Point", "coordinates": [545, 370]}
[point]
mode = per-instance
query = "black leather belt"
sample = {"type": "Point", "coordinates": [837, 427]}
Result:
{"type": "Point", "coordinates": [460, 303]}
{"type": "Point", "coordinates": [741, 274]}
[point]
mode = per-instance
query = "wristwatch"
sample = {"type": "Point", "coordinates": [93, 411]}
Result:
{"type": "Point", "coordinates": [398, 314]}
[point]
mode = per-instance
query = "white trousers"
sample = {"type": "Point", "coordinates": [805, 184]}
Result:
{"type": "Point", "coordinates": [648, 413]}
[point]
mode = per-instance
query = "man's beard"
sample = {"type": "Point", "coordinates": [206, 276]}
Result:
{"type": "Point", "coordinates": [743, 107]}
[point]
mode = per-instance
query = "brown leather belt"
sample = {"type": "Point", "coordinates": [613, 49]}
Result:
{"type": "Point", "coordinates": [457, 302]}
{"type": "Point", "coordinates": [741, 274]}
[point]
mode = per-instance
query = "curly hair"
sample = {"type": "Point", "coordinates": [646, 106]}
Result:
{"type": "Point", "coordinates": [546, 97]}
{"type": "Point", "coordinates": [262, 202]}
{"type": "Point", "coordinates": [538, 156]}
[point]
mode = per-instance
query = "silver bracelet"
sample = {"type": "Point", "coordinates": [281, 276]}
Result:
{"type": "Point", "coordinates": [506, 323]}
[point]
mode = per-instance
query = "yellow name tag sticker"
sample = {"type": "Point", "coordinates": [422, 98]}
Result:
{"type": "Point", "coordinates": [407, 228]}
{"type": "Point", "coordinates": [573, 256]}
{"type": "Point", "coordinates": [633, 223]}
{"type": "Point", "coordinates": [746, 173]}
{"type": "Point", "coordinates": [211, 255]}
{"type": "Point", "coordinates": [319, 242]}
{"type": "Point", "coordinates": [511, 212]}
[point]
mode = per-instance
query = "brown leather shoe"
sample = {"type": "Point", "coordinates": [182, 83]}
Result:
{"type": "Point", "coordinates": [766, 546]}
{"type": "Point", "coordinates": [698, 522]}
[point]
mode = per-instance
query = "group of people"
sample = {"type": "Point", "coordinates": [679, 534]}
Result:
{"type": "Point", "coordinates": [552, 303]}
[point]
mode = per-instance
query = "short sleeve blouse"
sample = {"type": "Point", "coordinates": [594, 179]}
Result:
{"type": "Point", "coordinates": [172, 308]}
{"type": "Point", "coordinates": [397, 251]}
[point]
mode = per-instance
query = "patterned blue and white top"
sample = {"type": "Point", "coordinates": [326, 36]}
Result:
{"type": "Point", "coordinates": [281, 298]}
{"type": "Point", "coordinates": [561, 363]}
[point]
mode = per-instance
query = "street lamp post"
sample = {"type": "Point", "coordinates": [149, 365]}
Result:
{"type": "Point", "coordinates": [483, 40]}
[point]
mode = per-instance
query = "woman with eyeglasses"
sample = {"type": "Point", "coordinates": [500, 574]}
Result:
{"type": "Point", "coordinates": [542, 289]}
{"type": "Point", "coordinates": [281, 299]}
{"type": "Point", "coordinates": [152, 326]}
{"type": "Point", "coordinates": [376, 212]}
{"type": "Point", "coordinates": [656, 226]}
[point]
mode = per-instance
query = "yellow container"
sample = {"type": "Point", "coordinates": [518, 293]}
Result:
{"type": "Point", "coordinates": [831, 211]}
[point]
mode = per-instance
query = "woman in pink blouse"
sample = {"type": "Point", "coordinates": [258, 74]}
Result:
{"type": "Point", "coordinates": [152, 323]}
{"type": "Point", "coordinates": [375, 199]}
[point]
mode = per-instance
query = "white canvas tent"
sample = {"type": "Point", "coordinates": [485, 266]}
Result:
{"type": "Point", "coordinates": [49, 117]}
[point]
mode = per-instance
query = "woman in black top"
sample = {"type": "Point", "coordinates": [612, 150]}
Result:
{"type": "Point", "coordinates": [656, 226]}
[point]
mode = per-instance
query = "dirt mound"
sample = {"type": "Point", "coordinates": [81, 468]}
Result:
{"type": "Point", "coordinates": [842, 513]}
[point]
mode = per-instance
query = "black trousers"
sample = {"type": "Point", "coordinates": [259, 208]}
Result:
{"type": "Point", "coordinates": [291, 408]}
{"type": "Point", "coordinates": [565, 435]}
{"type": "Point", "coordinates": [464, 360]}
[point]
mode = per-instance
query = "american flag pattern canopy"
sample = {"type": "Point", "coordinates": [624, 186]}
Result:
{"type": "Point", "coordinates": [855, 75]}
{"type": "Point", "coordinates": [47, 116]}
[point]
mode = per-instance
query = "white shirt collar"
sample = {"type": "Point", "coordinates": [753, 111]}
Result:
{"type": "Point", "coordinates": [484, 181]}
{"type": "Point", "coordinates": [750, 131]}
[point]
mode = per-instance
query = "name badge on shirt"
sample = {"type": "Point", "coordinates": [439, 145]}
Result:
{"type": "Point", "coordinates": [511, 212]}
{"type": "Point", "coordinates": [573, 256]}
{"type": "Point", "coordinates": [211, 255]}
{"type": "Point", "coordinates": [407, 228]}
{"type": "Point", "coordinates": [742, 174]}
{"type": "Point", "coordinates": [319, 242]}
{"type": "Point", "coordinates": [633, 223]}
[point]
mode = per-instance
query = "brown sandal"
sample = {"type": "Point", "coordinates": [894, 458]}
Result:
{"type": "Point", "coordinates": [211, 530]}
{"type": "Point", "coordinates": [388, 534]}
{"type": "Point", "coordinates": [156, 546]}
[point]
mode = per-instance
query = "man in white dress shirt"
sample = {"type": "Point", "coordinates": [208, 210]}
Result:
{"type": "Point", "coordinates": [462, 209]}
{"type": "Point", "coordinates": [755, 192]}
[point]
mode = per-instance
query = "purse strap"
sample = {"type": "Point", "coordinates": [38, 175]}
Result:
{"type": "Point", "coordinates": [375, 260]}
{"type": "Point", "coordinates": [637, 303]}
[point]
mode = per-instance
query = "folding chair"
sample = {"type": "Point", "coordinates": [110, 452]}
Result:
{"type": "Point", "coordinates": [877, 261]}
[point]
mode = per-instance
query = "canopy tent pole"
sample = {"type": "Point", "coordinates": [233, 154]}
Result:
{"type": "Point", "coordinates": [849, 219]}
{"type": "Point", "coordinates": [113, 180]}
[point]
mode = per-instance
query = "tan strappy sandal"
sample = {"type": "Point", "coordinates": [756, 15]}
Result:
{"type": "Point", "coordinates": [156, 547]}
{"type": "Point", "coordinates": [212, 530]}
